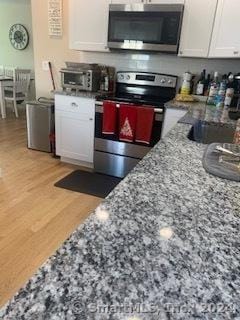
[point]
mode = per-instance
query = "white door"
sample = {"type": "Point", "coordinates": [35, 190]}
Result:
{"type": "Point", "coordinates": [198, 21]}
{"type": "Point", "coordinates": [88, 24]}
{"type": "Point", "coordinates": [75, 136]}
{"type": "Point", "coordinates": [226, 33]}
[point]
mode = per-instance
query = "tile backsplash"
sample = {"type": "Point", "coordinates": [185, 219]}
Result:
{"type": "Point", "coordinates": [162, 63]}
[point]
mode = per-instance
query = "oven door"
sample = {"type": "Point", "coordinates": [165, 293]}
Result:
{"type": "Point", "coordinates": [117, 158]}
{"type": "Point", "coordinates": [74, 80]}
{"type": "Point", "coordinates": [151, 27]}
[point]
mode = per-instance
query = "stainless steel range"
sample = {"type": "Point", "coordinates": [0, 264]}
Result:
{"type": "Point", "coordinates": [117, 158]}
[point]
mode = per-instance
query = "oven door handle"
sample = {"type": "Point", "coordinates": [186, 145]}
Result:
{"type": "Point", "coordinates": [99, 109]}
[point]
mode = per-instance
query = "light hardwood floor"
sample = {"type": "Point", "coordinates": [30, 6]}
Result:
{"type": "Point", "coordinates": [35, 216]}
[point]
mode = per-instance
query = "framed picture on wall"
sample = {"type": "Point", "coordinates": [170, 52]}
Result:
{"type": "Point", "coordinates": [55, 28]}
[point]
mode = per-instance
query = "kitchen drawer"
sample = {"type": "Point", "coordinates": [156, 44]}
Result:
{"type": "Point", "coordinates": [113, 165]}
{"type": "Point", "coordinates": [75, 104]}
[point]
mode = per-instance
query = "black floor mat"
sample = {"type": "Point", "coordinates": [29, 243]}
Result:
{"type": "Point", "coordinates": [95, 184]}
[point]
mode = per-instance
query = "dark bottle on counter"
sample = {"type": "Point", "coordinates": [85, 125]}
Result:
{"type": "Point", "coordinates": [206, 85]}
{"type": "Point", "coordinates": [200, 83]}
{"type": "Point", "coordinates": [229, 90]}
{"type": "Point", "coordinates": [213, 89]}
{"type": "Point", "coordinates": [104, 82]}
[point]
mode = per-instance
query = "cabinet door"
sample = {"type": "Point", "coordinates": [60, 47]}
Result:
{"type": "Point", "coordinates": [75, 136]}
{"type": "Point", "coordinates": [198, 20]}
{"type": "Point", "coordinates": [75, 127]}
{"type": "Point", "coordinates": [225, 38]}
{"type": "Point", "coordinates": [88, 24]}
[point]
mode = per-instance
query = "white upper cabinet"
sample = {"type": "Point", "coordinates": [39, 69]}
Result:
{"type": "Point", "coordinates": [197, 27]}
{"type": "Point", "coordinates": [88, 24]}
{"type": "Point", "coordinates": [226, 32]}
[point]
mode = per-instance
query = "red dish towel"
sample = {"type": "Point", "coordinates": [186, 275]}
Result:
{"type": "Point", "coordinates": [127, 122]}
{"type": "Point", "coordinates": [109, 117]}
{"type": "Point", "coordinates": [145, 116]}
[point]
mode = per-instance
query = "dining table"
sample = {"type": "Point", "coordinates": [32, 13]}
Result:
{"type": "Point", "coordinates": [4, 82]}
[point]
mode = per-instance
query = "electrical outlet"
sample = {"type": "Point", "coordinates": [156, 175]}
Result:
{"type": "Point", "coordinates": [45, 65]}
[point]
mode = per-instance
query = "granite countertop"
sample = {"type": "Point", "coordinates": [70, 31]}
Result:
{"type": "Point", "coordinates": [164, 244]}
{"type": "Point", "coordinates": [84, 94]}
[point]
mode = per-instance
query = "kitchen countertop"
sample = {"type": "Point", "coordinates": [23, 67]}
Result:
{"type": "Point", "coordinates": [167, 238]}
{"type": "Point", "coordinates": [84, 94]}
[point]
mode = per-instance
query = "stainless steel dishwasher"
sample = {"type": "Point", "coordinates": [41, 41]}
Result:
{"type": "Point", "coordinates": [40, 124]}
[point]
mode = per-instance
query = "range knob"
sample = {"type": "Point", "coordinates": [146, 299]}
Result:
{"type": "Point", "coordinates": [170, 81]}
{"type": "Point", "coordinates": [121, 76]}
{"type": "Point", "coordinates": [128, 77]}
{"type": "Point", "coordinates": [163, 80]}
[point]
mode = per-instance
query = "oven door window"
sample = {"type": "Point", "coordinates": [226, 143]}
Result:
{"type": "Point", "coordinates": [76, 79]}
{"type": "Point", "coordinates": [146, 27]}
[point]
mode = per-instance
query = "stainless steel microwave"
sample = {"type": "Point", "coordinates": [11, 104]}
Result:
{"type": "Point", "coordinates": [150, 27]}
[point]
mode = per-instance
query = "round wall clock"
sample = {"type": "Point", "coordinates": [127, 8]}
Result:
{"type": "Point", "coordinates": [19, 36]}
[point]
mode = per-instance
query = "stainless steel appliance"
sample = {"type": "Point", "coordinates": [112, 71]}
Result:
{"type": "Point", "coordinates": [117, 158]}
{"type": "Point", "coordinates": [81, 76]}
{"type": "Point", "coordinates": [151, 27]}
{"type": "Point", "coordinates": [40, 124]}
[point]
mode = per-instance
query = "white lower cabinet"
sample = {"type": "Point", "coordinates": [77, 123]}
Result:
{"type": "Point", "coordinates": [74, 118]}
{"type": "Point", "coordinates": [172, 116]}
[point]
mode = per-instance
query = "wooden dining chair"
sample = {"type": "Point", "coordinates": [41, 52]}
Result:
{"type": "Point", "coordinates": [2, 71]}
{"type": "Point", "coordinates": [9, 72]}
{"type": "Point", "coordinates": [19, 90]}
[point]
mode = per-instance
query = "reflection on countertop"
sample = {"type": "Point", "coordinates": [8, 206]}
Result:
{"type": "Point", "coordinates": [201, 111]}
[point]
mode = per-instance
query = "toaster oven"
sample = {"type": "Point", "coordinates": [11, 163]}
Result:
{"type": "Point", "coordinates": [81, 77]}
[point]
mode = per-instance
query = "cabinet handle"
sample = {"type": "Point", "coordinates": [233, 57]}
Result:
{"type": "Point", "coordinates": [235, 52]}
{"type": "Point", "coordinates": [91, 119]}
{"type": "Point", "coordinates": [73, 104]}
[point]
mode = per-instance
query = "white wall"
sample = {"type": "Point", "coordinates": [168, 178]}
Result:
{"type": "Point", "coordinates": [51, 49]}
{"type": "Point", "coordinates": [11, 12]}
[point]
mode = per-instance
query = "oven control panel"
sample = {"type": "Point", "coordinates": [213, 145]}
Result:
{"type": "Point", "coordinates": [145, 78]}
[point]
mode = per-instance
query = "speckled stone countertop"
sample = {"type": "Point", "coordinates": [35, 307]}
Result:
{"type": "Point", "coordinates": [84, 94]}
{"type": "Point", "coordinates": [163, 245]}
